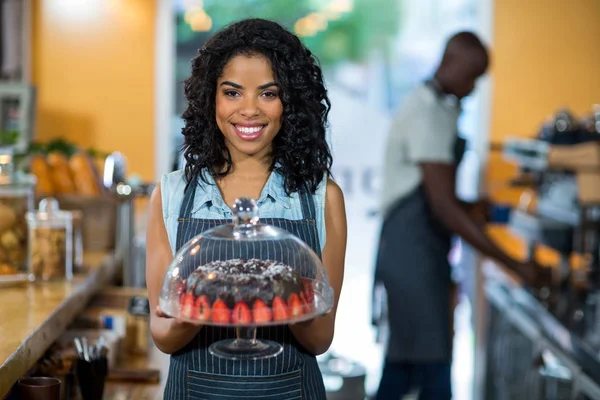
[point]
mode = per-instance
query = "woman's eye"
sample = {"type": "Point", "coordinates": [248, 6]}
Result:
{"type": "Point", "coordinates": [270, 94]}
{"type": "Point", "coordinates": [231, 93]}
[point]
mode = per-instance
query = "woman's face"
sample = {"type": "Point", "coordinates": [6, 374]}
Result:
{"type": "Point", "coordinates": [248, 106]}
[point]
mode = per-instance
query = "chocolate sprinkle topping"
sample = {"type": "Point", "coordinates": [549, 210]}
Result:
{"type": "Point", "coordinates": [244, 280]}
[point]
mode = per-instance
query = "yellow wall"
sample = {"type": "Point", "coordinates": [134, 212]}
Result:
{"type": "Point", "coordinates": [545, 56]}
{"type": "Point", "coordinates": [93, 65]}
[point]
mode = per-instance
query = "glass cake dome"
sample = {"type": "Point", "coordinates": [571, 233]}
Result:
{"type": "Point", "coordinates": [245, 275]}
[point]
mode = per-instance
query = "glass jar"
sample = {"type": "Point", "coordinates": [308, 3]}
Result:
{"type": "Point", "coordinates": [137, 326]}
{"type": "Point", "coordinates": [50, 241]}
{"type": "Point", "coordinates": [16, 199]}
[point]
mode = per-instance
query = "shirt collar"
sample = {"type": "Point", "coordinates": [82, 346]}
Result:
{"type": "Point", "coordinates": [274, 188]}
{"type": "Point", "coordinates": [209, 193]}
{"type": "Point", "coordinates": [446, 99]}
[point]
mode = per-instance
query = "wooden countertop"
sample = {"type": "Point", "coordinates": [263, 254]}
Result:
{"type": "Point", "coordinates": [32, 317]}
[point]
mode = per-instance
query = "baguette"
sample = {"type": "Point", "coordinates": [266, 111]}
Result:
{"type": "Point", "coordinates": [40, 168]}
{"type": "Point", "coordinates": [62, 178]}
{"type": "Point", "coordinates": [85, 175]}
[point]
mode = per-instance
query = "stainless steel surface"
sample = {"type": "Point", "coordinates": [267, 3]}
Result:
{"type": "Point", "coordinates": [530, 352]}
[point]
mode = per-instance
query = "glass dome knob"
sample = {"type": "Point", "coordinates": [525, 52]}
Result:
{"type": "Point", "coordinates": [245, 215]}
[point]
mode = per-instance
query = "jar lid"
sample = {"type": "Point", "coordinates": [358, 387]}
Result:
{"type": "Point", "coordinates": [13, 182]}
{"type": "Point", "coordinates": [17, 183]}
{"type": "Point", "coordinates": [49, 213]}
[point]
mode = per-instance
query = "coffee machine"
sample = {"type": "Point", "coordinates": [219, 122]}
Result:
{"type": "Point", "coordinates": [560, 209]}
{"type": "Point", "coordinates": [560, 206]}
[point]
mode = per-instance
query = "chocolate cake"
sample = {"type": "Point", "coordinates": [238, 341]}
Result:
{"type": "Point", "coordinates": [245, 291]}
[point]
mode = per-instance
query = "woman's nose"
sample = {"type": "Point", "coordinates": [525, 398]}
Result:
{"type": "Point", "coordinates": [249, 107]}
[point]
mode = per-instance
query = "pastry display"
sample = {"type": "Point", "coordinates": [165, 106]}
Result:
{"type": "Point", "coordinates": [245, 275]}
{"type": "Point", "coordinates": [50, 241]}
{"type": "Point", "coordinates": [245, 292]}
{"type": "Point", "coordinates": [13, 231]}
{"type": "Point", "coordinates": [48, 253]}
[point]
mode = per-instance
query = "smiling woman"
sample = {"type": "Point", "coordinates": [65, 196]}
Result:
{"type": "Point", "coordinates": [299, 150]}
{"type": "Point", "coordinates": [254, 127]}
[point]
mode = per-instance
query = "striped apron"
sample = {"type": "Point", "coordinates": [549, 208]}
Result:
{"type": "Point", "coordinates": [413, 267]}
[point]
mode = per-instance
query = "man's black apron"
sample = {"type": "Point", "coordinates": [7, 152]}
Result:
{"type": "Point", "coordinates": [412, 264]}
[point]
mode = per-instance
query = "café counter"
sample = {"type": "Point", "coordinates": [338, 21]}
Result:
{"type": "Point", "coordinates": [33, 316]}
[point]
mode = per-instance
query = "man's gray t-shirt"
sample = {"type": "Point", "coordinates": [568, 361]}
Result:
{"type": "Point", "coordinates": [424, 129]}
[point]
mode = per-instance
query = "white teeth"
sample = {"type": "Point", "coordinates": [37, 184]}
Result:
{"type": "Point", "coordinates": [249, 130]}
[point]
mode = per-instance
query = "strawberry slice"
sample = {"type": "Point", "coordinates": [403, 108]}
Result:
{"type": "Point", "coordinates": [280, 311]}
{"type": "Point", "coordinates": [307, 296]}
{"type": "Point", "coordinates": [202, 309]}
{"type": "Point", "coordinates": [308, 291]}
{"type": "Point", "coordinates": [295, 305]}
{"type": "Point", "coordinates": [187, 305]}
{"type": "Point", "coordinates": [220, 312]}
{"type": "Point", "coordinates": [261, 312]}
{"type": "Point", "coordinates": [306, 305]}
{"type": "Point", "coordinates": [242, 313]}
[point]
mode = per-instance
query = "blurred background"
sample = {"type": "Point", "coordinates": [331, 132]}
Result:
{"type": "Point", "coordinates": [105, 76]}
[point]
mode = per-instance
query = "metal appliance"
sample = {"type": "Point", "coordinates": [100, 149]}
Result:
{"type": "Point", "coordinates": [130, 245]}
{"type": "Point", "coordinates": [561, 207]}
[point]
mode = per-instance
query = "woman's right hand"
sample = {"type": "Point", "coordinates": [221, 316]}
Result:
{"type": "Point", "coordinates": [160, 313]}
{"type": "Point", "coordinates": [170, 334]}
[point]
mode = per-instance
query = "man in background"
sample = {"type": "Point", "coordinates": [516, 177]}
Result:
{"type": "Point", "coordinates": [421, 214]}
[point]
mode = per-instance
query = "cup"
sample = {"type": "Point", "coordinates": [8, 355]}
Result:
{"type": "Point", "coordinates": [40, 388]}
{"type": "Point", "coordinates": [91, 377]}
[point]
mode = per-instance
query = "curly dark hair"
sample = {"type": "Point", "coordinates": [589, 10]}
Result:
{"type": "Point", "coordinates": [300, 150]}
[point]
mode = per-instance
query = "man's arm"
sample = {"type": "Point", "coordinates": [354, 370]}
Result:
{"type": "Point", "coordinates": [439, 182]}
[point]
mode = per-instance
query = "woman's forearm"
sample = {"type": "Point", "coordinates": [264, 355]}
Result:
{"type": "Point", "coordinates": [171, 335]}
{"type": "Point", "coordinates": [315, 335]}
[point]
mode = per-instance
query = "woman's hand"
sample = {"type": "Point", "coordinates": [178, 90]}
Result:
{"type": "Point", "coordinates": [160, 313]}
{"type": "Point", "coordinates": [169, 334]}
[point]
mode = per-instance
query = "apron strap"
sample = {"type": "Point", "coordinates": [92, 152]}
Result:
{"type": "Point", "coordinates": [187, 204]}
{"type": "Point", "coordinates": [308, 204]}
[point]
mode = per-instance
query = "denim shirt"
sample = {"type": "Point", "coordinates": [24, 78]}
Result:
{"type": "Point", "coordinates": [209, 204]}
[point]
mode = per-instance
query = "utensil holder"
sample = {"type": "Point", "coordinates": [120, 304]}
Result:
{"type": "Point", "coordinates": [91, 377]}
